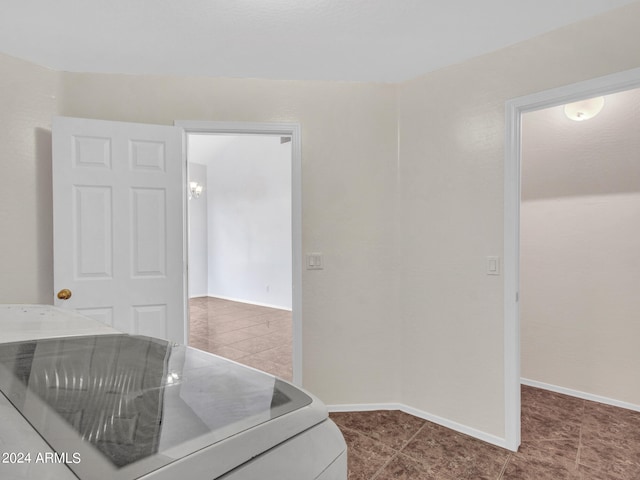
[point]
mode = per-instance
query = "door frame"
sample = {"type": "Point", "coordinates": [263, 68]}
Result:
{"type": "Point", "coordinates": [283, 129]}
{"type": "Point", "coordinates": [514, 109]}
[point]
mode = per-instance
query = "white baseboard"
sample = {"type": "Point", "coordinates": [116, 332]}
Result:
{"type": "Point", "coordinates": [197, 295]}
{"type": "Point", "coordinates": [363, 407]}
{"type": "Point", "coordinates": [484, 436]}
{"type": "Point", "coordinates": [458, 427]}
{"type": "Point", "coordinates": [579, 394]}
{"type": "Point", "coordinates": [248, 302]}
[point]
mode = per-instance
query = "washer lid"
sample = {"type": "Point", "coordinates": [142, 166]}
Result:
{"type": "Point", "coordinates": [121, 406]}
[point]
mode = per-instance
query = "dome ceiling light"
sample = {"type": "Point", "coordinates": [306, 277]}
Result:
{"type": "Point", "coordinates": [584, 109]}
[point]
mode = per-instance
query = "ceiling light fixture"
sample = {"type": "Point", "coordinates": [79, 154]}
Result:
{"type": "Point", "coordinates": [584, 109]}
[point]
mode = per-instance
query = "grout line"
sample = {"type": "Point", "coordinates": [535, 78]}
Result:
{"type": "Point", "coordinates": [584, 409]}
{"type": "Point", "coordinates": [377, 474]}
{"type": "Point", "coordinates": [504, 466]}
{"type": "Point", "coordinates": [398, 452]}
{"type": "Point", "coordinates": [580, 435]}
{"type": "Point", "coordinates": [255, 323]}
{"type": "Point", "coordinates": [413, 436]}
{"type": "Point", "coordinates": [248, 338]}
{"type": "Point", "coordinates": [358, 432]}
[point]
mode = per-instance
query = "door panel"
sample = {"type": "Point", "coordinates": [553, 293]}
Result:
{"type": "Point", "coordinates": [93, 254]}
{"type": "Point", "coordinates": [148, 207]}
{"type": "Point", "coordinates": [118, 204]}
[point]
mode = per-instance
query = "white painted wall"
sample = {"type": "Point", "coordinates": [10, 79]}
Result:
{"type": "Point", "coordinates": [198, 235]}
{"type": "Point", "coordinates": [580, 261]}
{"type": "Point", "coordinates": [349, 159]}
{"type": "Point", "coordinates": [403, 310]}
{"type": "Point", "coordinates": [452, 132]}
{"type": "Point", "coordinates": [249, 217]}
{"type": "Point", "coordinates": [28, 99]}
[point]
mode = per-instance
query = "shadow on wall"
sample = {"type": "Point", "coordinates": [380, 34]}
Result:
{"type": "Point", "coordinates": [44, 214]}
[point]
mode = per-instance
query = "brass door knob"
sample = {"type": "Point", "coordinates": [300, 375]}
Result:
{"type": "Point", "coordinates": [64, 294]}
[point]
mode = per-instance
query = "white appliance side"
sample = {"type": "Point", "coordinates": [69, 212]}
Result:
{"type": "Point", "coordinates": [337, 470]}
{"type": "Point", "coordinates": [225, 456]}
{"type": "Point", "coordinates": [306, 434]}
{"type": "Point", "coordinates": [23, 450]}
{"type": "Point", "coordinates": [319, 453]}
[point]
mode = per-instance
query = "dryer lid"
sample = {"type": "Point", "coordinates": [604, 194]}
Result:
{"type": "Point", "coordinates": [121, 406]}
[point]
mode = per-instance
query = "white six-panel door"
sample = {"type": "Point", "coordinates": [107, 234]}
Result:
{"type": "Point", "coordinates": [118, 224]}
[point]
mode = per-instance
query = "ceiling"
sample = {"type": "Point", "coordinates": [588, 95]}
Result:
{"type": "Point", "coordinates": [349, 40]}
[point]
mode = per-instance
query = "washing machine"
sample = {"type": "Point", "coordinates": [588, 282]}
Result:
{"type": "Point", "coordinates": [91, 403]}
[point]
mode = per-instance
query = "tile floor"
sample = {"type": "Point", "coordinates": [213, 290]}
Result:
{"type": "Point", "coordinates": [562, 438]}
{"type": "Point", "coordinates": [257, 336]}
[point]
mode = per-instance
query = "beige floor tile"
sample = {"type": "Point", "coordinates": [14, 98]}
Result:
{"type": "Point", "coordinates": [255, 344]}
{"type": "Point", "coordinates": [229, 352]}
{"type": "Point", "coordinates": [260, 337]}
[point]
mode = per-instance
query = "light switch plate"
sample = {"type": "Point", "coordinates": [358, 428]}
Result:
{"type": "Point", "coordinates": [493, 265]}
{"type": "Point", "coordinates": [315, 261]}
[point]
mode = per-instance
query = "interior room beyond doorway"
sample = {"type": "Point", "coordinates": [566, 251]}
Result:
{"type": "Point", "coordinates": [240, 249]}
{"type": "Point", "coordinates": [580, 267]}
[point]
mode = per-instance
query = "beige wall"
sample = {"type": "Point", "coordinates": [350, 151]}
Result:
{"type": "Point", "coordinates": [580, 261]}
{"type": "Point", "coordinates": [349, 152]}
{"type": "Point", "coordinates": [403, 310]}
{"type": "Point", "coordinates": [27, 103]}
{"type": "Point", "coordinates": [451, 203]}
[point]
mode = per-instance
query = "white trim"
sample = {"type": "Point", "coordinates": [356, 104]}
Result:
{"type": "Point", "coordinates": [185, 239]}
{"type": "Point", "coordinates": [240, 300]}
{"type": "Point", "coordinates": [363, 407]}
{"type": "Point", "coordinates": [458, 427]}
{"type": "Point", "coordinates": [514, 108]}
{"type": "Point", "coordinates": [579, 394]}
{"type": "Point", "coordinates": [198, 295]}
{"type": "Point", "coordinates": [285, 129]}
{"type": "Point", "coordinates": [511, 272]}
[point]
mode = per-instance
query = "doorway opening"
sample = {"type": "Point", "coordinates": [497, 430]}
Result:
{"type": "Point", "coordinates": [244, 239]}
{"type": "Point", "coordinates": [512, 190]}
